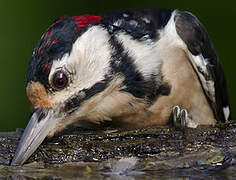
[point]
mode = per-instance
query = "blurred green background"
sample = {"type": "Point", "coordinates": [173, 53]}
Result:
{"type": "Point", "coordinates": [23, 22]}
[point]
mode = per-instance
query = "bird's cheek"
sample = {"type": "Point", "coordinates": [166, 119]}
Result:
{"type": "Point", "coordinates": [38, 95]}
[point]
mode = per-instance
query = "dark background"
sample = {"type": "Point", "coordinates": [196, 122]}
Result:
{"type": "Point", "coordinates": [23, 22]}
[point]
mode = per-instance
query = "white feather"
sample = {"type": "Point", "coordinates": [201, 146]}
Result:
{"type": "Point", "coordinates": [118, 22]}
{"type": "Point", "coordinates": [125, 15]}
{"type": "Point", "coordinates": [170, 33]}
{"type": "Point", "coordinates": [88, 61]}
{"type": "Point", "coordinates": [226, 112]}
{"type": "Point", "coordinates": [146, 20]}
{"type": "Point", "coordinates": [145, 54]}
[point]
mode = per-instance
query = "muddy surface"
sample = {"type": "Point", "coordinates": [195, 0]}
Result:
{"type": "Point", "coordinates": [127, 154]}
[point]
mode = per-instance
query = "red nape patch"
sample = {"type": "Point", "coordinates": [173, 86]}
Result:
{"type": "Point", "coordinates": [86, 19]}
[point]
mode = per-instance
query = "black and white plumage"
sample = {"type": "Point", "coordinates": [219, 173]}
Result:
{"type": "Point", "coordinates": [132, 68]}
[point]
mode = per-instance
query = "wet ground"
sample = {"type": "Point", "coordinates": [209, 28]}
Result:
{"type": "Point", "coordinates": [150, 153]}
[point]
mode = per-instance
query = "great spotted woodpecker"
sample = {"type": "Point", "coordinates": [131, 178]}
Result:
{"type": "Point", "coordinates": [134, 68]}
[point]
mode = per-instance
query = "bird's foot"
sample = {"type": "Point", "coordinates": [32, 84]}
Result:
{"type": "Point", "coordinates": [182, 119]}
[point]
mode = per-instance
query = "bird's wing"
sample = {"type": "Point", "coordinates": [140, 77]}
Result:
{"type": "Point", "coordinates": [205, 62]}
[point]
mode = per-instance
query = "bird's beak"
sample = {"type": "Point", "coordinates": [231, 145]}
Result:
{"type": "Point", "coordinates": [41, 123]}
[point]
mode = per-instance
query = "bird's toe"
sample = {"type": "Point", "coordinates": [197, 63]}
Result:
{"type": "Point", "coordinates": [183, 118]}
{"type": "Point", "coordinates": [175, 115]}
{"type": "Point", "coordinates": [180, 117]}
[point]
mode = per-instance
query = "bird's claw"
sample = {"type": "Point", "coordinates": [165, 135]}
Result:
{"type": "Point", "coordinates": [180, 117]}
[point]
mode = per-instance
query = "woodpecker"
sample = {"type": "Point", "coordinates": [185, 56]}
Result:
{"type": "Point", "coordinates": [132, 68]}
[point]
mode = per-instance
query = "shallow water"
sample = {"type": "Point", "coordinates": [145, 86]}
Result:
{"type": "Point", "coordinates": [152, 153]}
{"type": "Point", "coordinates": [124, 168]}
{"type": "Point", "coordinates": [87, 172]}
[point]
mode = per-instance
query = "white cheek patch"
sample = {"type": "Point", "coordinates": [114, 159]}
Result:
{"type": "Point", "coordinates": [226, 112]}
{"type": "Point", "coordinates": [91, 56]}
{"type": "Point", "coordinates": [88, 61]}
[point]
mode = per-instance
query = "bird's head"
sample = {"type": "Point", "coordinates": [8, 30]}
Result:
{"type": "Point", "coordinates": [69, 66]}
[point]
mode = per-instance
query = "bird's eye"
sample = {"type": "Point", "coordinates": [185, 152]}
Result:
{"type": "Point", "coordinates": [59, 80]}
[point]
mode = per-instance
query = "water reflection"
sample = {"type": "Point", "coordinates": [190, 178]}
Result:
{"type": "Point", "coordinates": [125, 177]}
{"type": "Point", "coordinates": [227, 174]}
